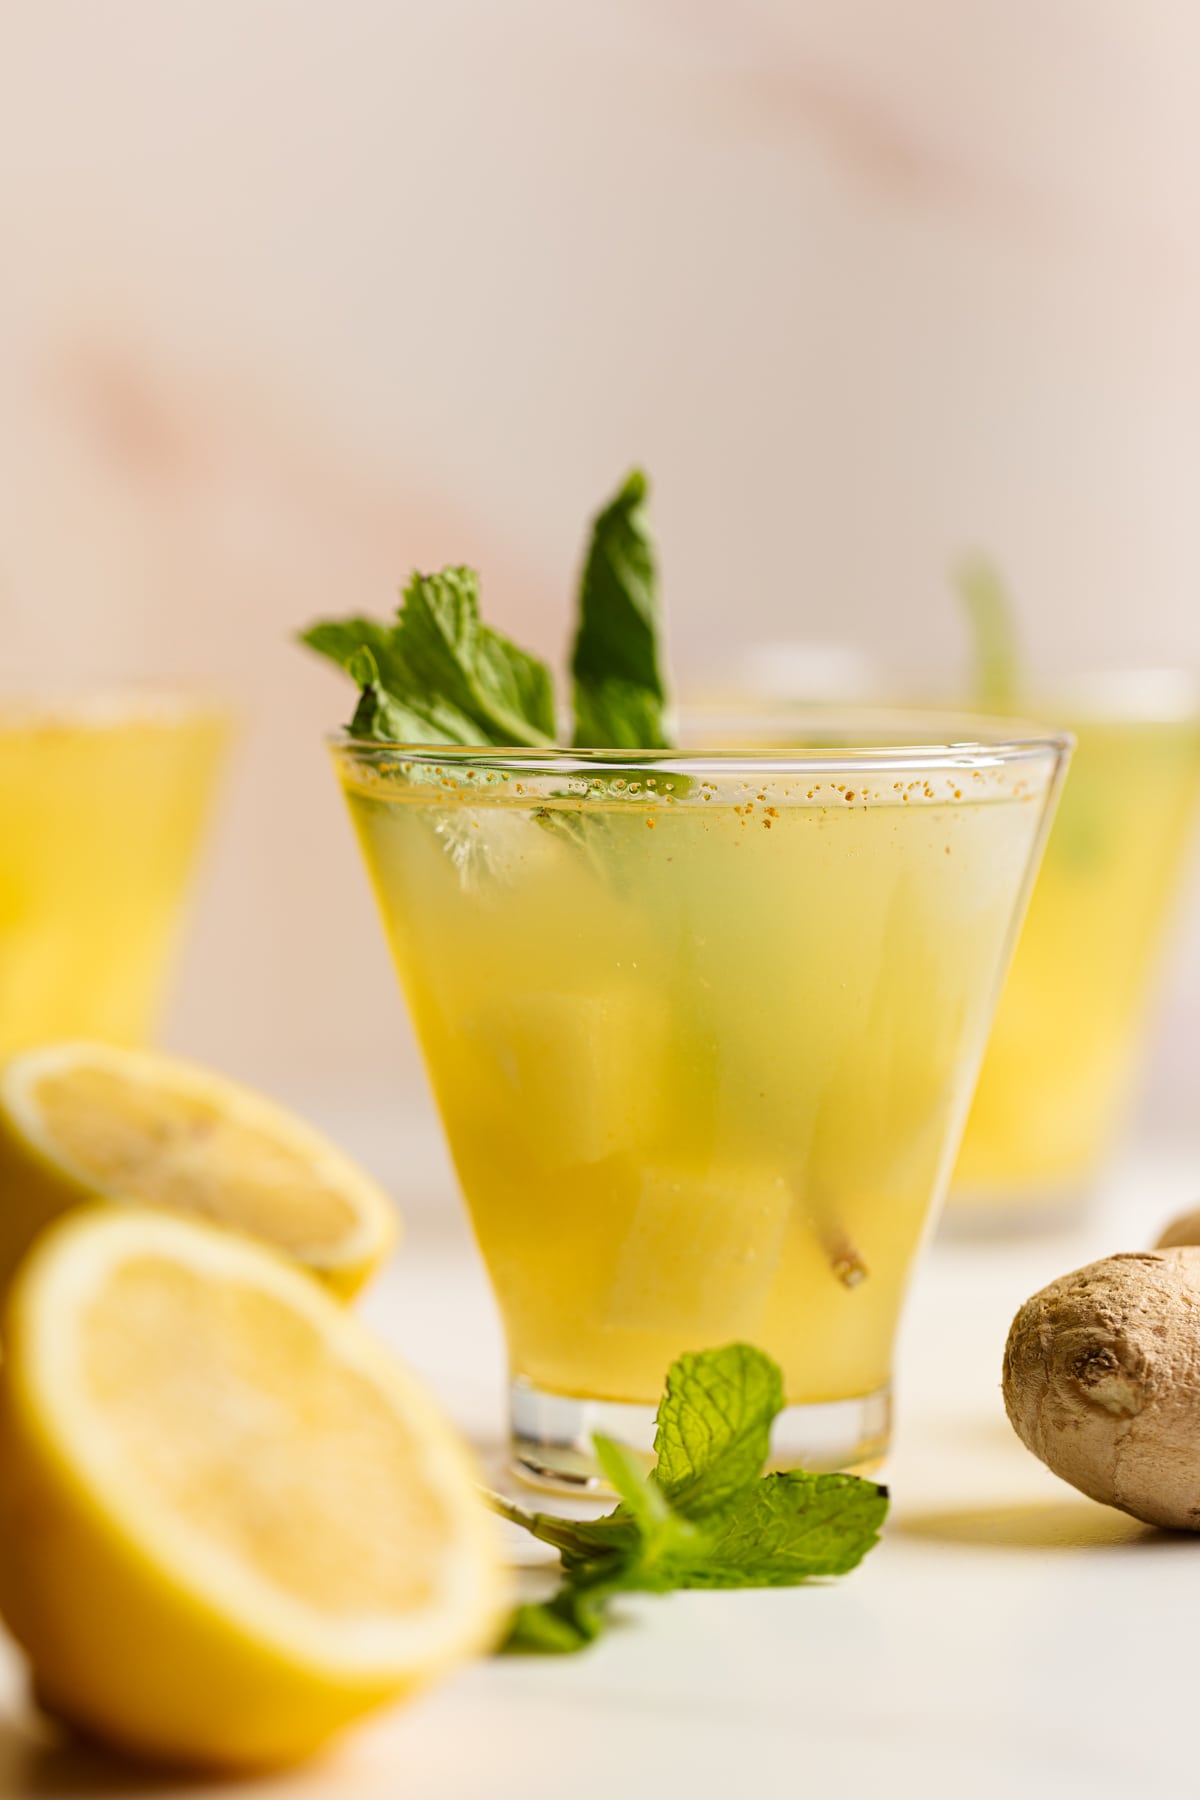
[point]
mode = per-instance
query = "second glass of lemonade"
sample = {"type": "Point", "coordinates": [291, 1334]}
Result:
{"type": "Point", "coordinates": [703, 1028]}
{"type": "Point", "coordinates": [103, 804]}
{"type": "Point", "coordinates": [1054, 1088]}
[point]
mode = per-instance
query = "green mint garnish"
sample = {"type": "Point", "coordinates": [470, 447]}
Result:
{"type": "Point", "coordinates": [714, 1426]}
{"type": "Point", "coordinates": [382, 713]}
{"type": "Point", "coordinates": [438, 675]}
{"type": "Point", "coordinates": [705, 1516]}
{"type": "Point", "coordinates": [994, 633]}
{"type": "Point", "coordinates": [618, 687]}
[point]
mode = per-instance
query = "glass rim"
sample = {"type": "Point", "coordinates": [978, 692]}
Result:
{"type": "Point", "coordinates": [108, 706]}
{"type": "Point", "coordinates": [987, 742]}
{"type": "Point", "coordinates": [1135, 693]}
{"type": "Point", "coordinates": [787, 674]}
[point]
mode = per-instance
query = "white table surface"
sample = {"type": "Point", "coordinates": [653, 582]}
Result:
{"type": "Point", "coordinates": [1007, 1638]}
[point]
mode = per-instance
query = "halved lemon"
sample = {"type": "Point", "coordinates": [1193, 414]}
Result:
{"type": "Point", "coordinates": [85, 1121]}
{"type": "Point", "coordinates": [230, 1522]}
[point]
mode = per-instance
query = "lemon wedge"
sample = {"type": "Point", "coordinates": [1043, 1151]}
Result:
{"type": "Point", "coordinates": [230, 1522]}
{"type": "Point", "coordinates": [88, 1121]}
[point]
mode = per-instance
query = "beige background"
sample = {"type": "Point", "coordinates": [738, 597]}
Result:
{"type": "Point", "coordinates": [296, 295]}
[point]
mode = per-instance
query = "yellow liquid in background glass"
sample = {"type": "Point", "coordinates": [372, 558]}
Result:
{"type": "Point", "coordinates": [1062, 1051]}
{"type": "Point", "coordinates": [702, 1066]}
{"type": "Point", "coordinates": [101, 815]}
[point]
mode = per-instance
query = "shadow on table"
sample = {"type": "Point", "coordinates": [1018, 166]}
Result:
{"type": "Point", "coordinates": [38, 1762]}
{"type": "Point", "coordinates": [1038, 1525]}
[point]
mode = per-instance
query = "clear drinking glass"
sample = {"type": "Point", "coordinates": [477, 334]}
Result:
{"type": "Point", "coordinates": [703, 1027]}
{"type": "Point", "coordinates": [103, 803]}
{"type": "Point", "coordinates": [1059, 1068]}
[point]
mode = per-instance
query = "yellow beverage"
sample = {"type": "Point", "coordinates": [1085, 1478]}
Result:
{"type": "Point", "coordinates": [102, 807]}
{"type": "Point", "coordinates": [1064, 1045]}
{"type": "Point", "coordinates": [702, 1042]}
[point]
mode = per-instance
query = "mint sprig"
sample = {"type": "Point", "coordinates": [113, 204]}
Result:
{"type": "Point", "coordinates": [705, 1516]}
{"type": "Point", "coordinates": [436, 674]}
{"type": "Point", "coordinates": [997, 654]}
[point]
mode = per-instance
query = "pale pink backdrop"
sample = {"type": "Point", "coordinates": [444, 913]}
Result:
{"type": "Point", "coordinates": [296, 295]}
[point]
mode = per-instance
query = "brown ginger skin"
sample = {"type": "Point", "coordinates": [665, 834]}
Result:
{"type": "Point", "coordinates": [1183, 1230]}
{"type": "Point", "coordinates": [1102, 1382]}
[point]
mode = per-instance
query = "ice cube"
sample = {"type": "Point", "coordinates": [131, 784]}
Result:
{"type": "Point", "coordinates": [700, 1253]}
{"type": "Point", "coordinates": [578, 1072]}
{"type": "Point", "coordinates": [505, 844]}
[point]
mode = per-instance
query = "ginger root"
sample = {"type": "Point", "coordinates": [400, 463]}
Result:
{"type": "Point", "coordinates": [1183, 1230]}
{"type": "Point", "coordinates": [1102, 1382]}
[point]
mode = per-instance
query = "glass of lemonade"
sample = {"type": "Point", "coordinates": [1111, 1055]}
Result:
{"type": "Point", "coordinates": [1064, 1047]}
{"type": "Point", "coordinates": [702, 1027]}
{"type": "Point", "coordinates": [102, 808]}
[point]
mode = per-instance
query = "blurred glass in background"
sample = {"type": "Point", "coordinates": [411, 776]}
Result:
{"type": "Point", "coordinates": [1069, 1037]}
{"type": "Point", "coordinates": [103, 804]}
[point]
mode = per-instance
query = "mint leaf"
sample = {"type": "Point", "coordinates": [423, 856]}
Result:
{"type": "Point", "coordinates": [521, 685]}
{"type": "Point", "coordinates": [438, 675]}
{"type": "Point", "coordinates": [993, 629]}
{"type": "Point", "coordinates": [791, 1527]}
{"type": "Point", "coordinates": [705, 1517]}
{"type": "Point", "coordinates": [446, 651]}
{"type": "Point", "coordinates": [341, 640]}
{"type": "Point", "coordinates": [618, 688]}
{"type": "Point", "coordinates": [714, 1426]}
{"type": "Point", "coordinates": [571, 1621]}
{"type": "Point", "coordinates": [376, 708]}
{"type": "Point", "coordinates": [380, 714]}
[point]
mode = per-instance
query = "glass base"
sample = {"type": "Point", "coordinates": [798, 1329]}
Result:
{"type": "Point", "coordinates": [552, 1436]}
{"type": "Point", "coordinates": [1014, 1212]}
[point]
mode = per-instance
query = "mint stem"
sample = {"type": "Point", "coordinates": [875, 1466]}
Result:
{"type": "Point", "coordinates": [508, 1509]}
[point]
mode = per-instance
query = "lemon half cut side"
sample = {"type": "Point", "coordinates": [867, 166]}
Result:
{"type": "Point", "coordinates": [90, 1121]}
{"type": "Point", "coordinates": [230, 1521]}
